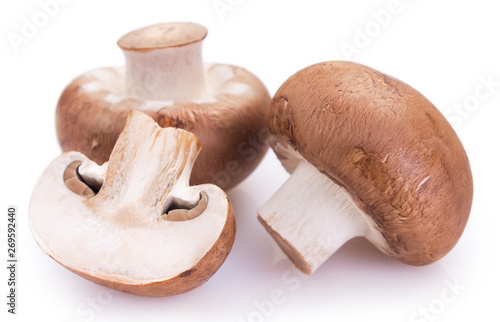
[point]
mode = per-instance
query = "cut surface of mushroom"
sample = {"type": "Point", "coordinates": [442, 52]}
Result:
{"type": "Point", "coordinates": [165, 77]}
{"type": "Point", "coordinates": [119, 237]}
{"type": "Point", "coordinates": [369, 156]}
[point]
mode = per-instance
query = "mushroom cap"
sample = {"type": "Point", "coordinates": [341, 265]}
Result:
{"type": "Point", "coordinates": [92, 112]}
{"type": "Point", "coordinates": [122, 236]}
{"type": "Point", "coordinates": [386, 144]}
{"type": "Point", "coordinates": [230, 121]}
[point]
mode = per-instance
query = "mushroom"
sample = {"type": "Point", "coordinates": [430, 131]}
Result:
{"type": "Point", "coordinates": [369, 156]}
{"type": "Point", "coordinates": [223, 105]}
{"type": "Point", "coordinates": [134, 224]}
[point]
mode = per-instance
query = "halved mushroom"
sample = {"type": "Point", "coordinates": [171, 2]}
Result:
{"type": "Point", "coordinates": [134, 224]}
{"type": "Point", "coordinates": [165, 77]}
{"type": "Point", "coordinates": [369, 156]}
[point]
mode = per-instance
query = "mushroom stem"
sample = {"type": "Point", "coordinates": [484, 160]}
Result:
{"type": "Point", "coordinates": [166, 74]}
{"type": "Point", "coordinates": [144, 173]}
{"type": "Point", "coordinates": [311, 217]}
{"type": "Point", "coordinates": [164, 62]}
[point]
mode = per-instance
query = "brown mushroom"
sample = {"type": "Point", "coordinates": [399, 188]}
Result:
{"type": "Point", "coordinates": [134, 224]}
{"type": "Point", "coordinates": [369, 156]}
{"type": "Point", "coordinates": [165, 77]}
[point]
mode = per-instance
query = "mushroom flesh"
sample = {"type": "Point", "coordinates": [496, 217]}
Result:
{"type": "Point", "coordinates": [134, 224]}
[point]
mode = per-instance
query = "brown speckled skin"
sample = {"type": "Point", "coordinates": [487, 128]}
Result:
{"type": "Point", "coordinates": [232, 131]}
{"type": "Point", "coordinates": [379, 138]}
{"type": "Point", "coordinates": [186, 281]}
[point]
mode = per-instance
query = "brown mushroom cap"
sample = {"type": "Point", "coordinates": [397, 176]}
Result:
{"type": "Point", "coordinates": [387, 145]}
{"type": "Point", "coordinates": [229, 122]}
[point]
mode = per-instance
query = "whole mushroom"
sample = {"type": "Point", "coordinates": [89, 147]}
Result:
{"type": "Point", "coordinates": [134, 224]}
{"type": "Point", "coordinates": [165, 77]}
{"type": "Point", "coordinates": [369, 156]}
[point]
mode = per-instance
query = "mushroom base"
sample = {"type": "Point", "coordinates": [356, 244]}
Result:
{"type": "Point", "coordinates": [310, 217]}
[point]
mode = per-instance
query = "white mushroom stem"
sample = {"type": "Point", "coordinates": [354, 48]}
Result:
{"type": "Point", "coordinates": [147, 172]}
{"type": "Point", "coordinates": [164, 62]}
{"type": "Point", "coordinates": [164, 74]}
{"type": "Point", "coordinates": [311, 217]}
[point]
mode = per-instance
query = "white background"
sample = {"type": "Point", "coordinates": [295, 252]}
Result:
{"type": "Point", "coordinates": [445, 49]}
